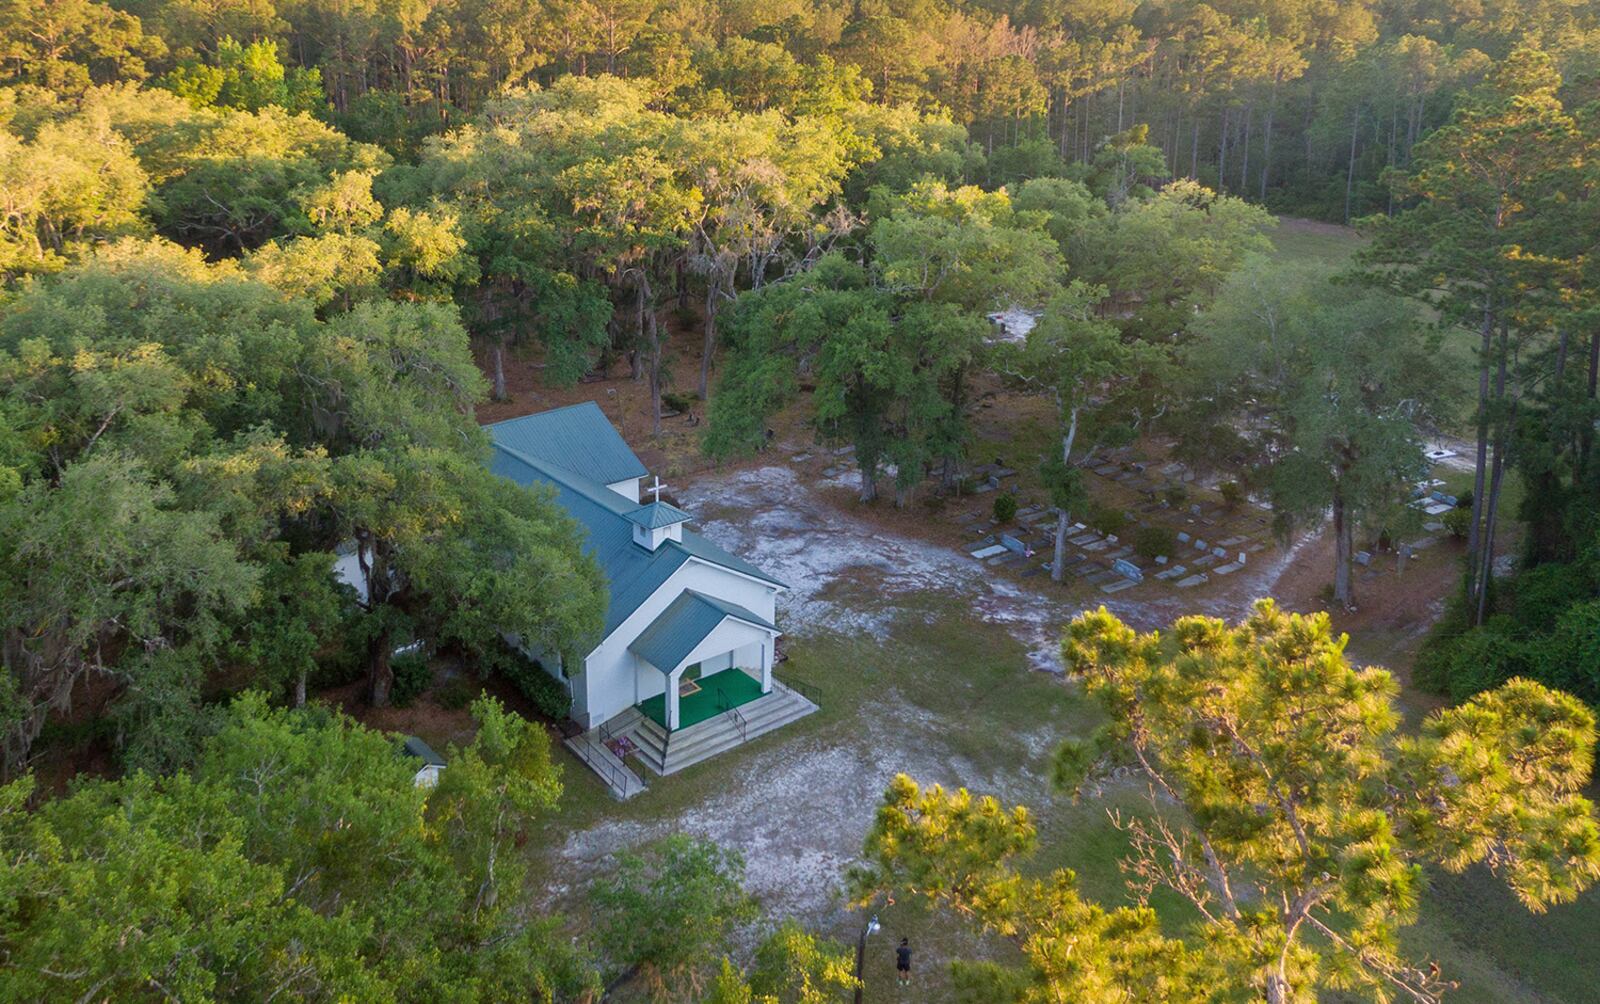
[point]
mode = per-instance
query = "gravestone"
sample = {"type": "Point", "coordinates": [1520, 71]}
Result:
{"type": "Point", "coordinates": [1128, 570]}
{"type": "Point", "coordinates": [1013, 544]}
{"type": "Point", "coordinates": [1363, 558]}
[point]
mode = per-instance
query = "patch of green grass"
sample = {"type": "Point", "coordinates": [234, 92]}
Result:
{"type": "Point", "coordinates": [1306, 240]}
{"type": "Point", "coordinates": [972, 678]}
{"type": "Point", "coordinates": [969, 677]}
{"type": "Point", "coordinates": [1500, 951]}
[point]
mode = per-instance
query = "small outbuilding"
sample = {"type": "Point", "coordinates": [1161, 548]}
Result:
{"type": "Point", "coordinates": [430, 763]}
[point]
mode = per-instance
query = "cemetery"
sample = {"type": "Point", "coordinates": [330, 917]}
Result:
{"type": "Point", "coordinates": [1136, 495]}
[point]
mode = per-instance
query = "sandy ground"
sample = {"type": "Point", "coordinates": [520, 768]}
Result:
{"type": "Point", "coordinates": [768, 515]}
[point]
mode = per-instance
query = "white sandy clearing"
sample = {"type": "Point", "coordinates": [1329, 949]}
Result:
{"type": "Point", "coordinates": [801, 810]}
{"type": "Point", "coordinates": [794, 533]}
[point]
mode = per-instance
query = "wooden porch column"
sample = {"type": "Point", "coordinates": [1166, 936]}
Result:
{"type": "Point", "coordinates": [766, 664]}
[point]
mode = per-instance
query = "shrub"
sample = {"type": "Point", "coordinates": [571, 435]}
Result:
{"type": "Point", "coordinates": [1457, 521]}
{"type": "Point", "coordinates": [1540, 595]}
{"type": "Point", "coordinates": [1570, 658]}
{"type": "Point", "coordinates": [455, 695]}
{"type": "Point", "coordinates": [412, 675]}
{"type": "Point", "coordinates": [1153, 541]}
{"type": "Point", "coordinates": [1176, 494]}
{"type": "Point", "coordinates": [545, 691]}
{"type": "Point", "coordinates": [1106, 519]}
{"type": "Point", "coordinates": [682, 403]}
{"type": "Point", "coordinates": [1484, 658]}
{"type": "Point", "coordinates": [1005, 507]}
{"type": "Point", "coordinates": [1232, 493]}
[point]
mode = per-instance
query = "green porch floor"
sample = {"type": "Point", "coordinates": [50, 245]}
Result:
{"type": "Point", "coordinates": [738, 686]}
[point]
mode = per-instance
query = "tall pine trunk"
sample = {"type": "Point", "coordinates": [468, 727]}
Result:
{"type": "Point", "coordinates": [1343, 548]}
{"type": "Point", "coordinates": [1481, 461]}
{"type": "Point", "coordinates": [1350, 171]}
{"type": "Point", "coordinates": [1486, 567]}
{"type": "Point", "coordinates": [1491, 512]}
{"type": "Point", "coordinates": [1222, 152]}
{"type": "Point", "coordinates": [1266, 140]}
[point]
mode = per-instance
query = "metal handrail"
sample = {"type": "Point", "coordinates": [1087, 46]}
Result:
{"type": "Point", "coordinates": [607, 771]}
{"type": "Point", "coordinates": [732, 712]}
{"type": "Point", "coordinates": [617, 778]}
{"type": "Point", "coordinates": [801, 689]}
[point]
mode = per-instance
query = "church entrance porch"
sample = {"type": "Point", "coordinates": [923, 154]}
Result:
{"type": "Point", "coordinates": [704, 698]}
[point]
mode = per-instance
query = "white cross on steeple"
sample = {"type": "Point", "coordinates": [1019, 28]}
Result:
{"type": "Point", "coordinates": [656, 489]}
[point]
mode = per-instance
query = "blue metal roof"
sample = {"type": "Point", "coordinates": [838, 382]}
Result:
{"type": "Point", "coordinates": [683, 625]}
{"type": "Point", "coordinates": [414, 746]}
{"type": "Point", "coordinates": [578, 438]}
{"type": "Point", "coordinates": [633, 572]}
{"type": "Point", "coordinates": [657, 515]}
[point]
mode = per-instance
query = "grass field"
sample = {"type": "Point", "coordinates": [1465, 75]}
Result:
{"type": "Point", "coordinates": [1309, 240]}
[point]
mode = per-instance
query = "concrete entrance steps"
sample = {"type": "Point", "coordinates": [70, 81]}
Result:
{"type": "Point", "coordinates": [715, 735]}
{"type": "Point", "coordinates": [590, 747]}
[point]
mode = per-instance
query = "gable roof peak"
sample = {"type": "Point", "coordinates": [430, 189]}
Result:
{"type": "Point", "coordinates": [577, 438]}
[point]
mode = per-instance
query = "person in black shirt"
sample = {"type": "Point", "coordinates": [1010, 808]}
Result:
{"type": "Point", "coordinates": [902, 962]}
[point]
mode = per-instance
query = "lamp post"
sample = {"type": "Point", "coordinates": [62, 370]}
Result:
{"type": "Point", "coordinates": [871, 927]}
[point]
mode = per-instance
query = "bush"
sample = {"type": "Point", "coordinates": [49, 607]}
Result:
{"type": "Point", "coordinates": [1570, 658]}
{"type": "Point", "coordinates": [1154, 541]}
{"type": "Point", "coordinates": [1106, 519]}
{"type": "Point", "coordinates": [1176, 494]}
{"type": "Point", "coordinates": [455, 695]}
{"type": "Point", "coordinates": [1232, 493]}
{"type": "Point", "coordinates": [1005, 507]}
{"type": "Point", "coordinates": [1483, 659]}
{"type": "Point", "coordinates": [545, 691]}
{"type": "Point", "coordinates": [412, 675]}
{"type": "Point", "coordinates": [681, 403]}
{"type": "Point", "coordinates": [1457, 521]}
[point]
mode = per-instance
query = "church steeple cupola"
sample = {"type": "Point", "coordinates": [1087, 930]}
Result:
{"type": "Point", "coordinates": [656, 522]}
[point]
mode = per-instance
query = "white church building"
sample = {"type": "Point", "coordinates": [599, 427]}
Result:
{"type": "Point", "coordinates": [683, 669]}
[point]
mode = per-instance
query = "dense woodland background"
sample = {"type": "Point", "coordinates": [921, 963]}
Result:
{"type": "Point", "coordinates": [248, 252]}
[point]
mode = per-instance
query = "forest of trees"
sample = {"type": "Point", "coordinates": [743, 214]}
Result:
{"type": "Point", "coordinates": [1299, 104]}
{"type": "Point", "coordinates": [260, 263]}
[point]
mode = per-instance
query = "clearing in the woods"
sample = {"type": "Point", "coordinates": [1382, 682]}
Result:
{"type": "Point", "coordinates": [929, 661]}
